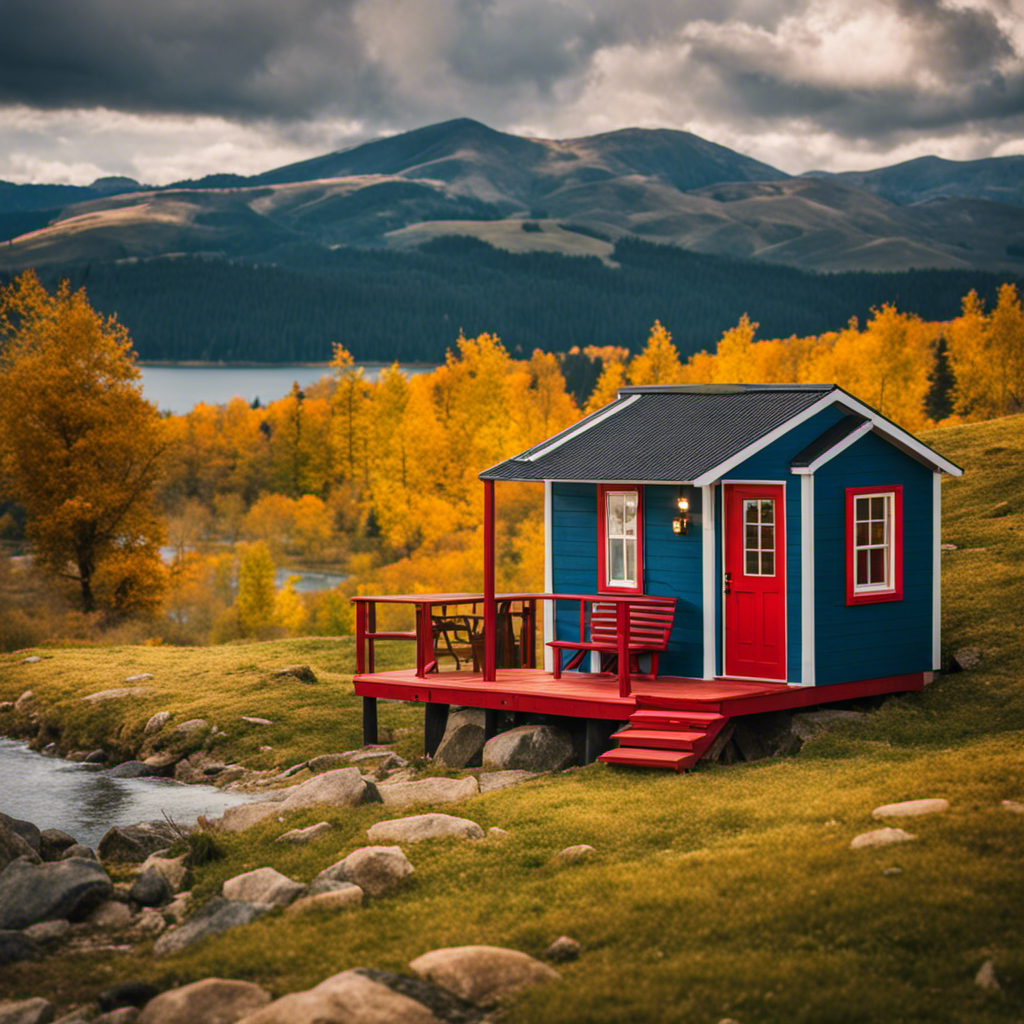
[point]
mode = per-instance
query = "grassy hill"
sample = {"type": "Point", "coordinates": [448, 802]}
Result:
{"type": "Point", "coordinates": [730, 892]}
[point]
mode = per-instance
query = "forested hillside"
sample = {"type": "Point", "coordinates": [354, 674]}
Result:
{"type": "Point", "coordinates": [409, 306]}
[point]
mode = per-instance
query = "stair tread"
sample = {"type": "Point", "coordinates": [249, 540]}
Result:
{"type": "Point", "coordinates": [657, 716]}
{"type": "Point", "coordinates": [642, 757]}
{"type": "Point", "coordinates": [671, 739]}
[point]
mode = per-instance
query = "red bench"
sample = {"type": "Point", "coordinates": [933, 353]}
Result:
{"type": "Point", "coordinates": [650, 623]}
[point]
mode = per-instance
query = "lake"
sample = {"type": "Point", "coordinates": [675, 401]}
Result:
{"type": "Point", "coordinates": [178, 388]}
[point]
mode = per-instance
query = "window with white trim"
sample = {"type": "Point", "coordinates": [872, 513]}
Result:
{"type": "Point", "coordinates": [622, 552]}
{"type": "Point", "coordinates": [874, 544]}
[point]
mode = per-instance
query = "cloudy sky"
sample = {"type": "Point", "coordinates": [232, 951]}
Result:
{"type": "Point", "coordinates": [166, 89]}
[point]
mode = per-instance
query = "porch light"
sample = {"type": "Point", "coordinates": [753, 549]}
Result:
{"type": "Point", "coordinates": [681, 524]}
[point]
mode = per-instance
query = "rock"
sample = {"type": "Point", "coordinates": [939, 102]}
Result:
{"type": "Point", "coordinates": [301, 672]}
{"type": "Point", "coordinates": [346, 998]}
{"type": "Point", "coordinates": [32, 659]}
{"type": "Point", "coordinates": [497, 833]}
{"type": "Point", "coordinates": [377, 870]}
{"type": "Point", "coordinates": [482, 974]}
{"type": "Point", "coordinates": [81, 1016]}
{"type": "Point", "coordinates": [344, 787]}
{"type": "Point", "coordinates": [1013, 806]}
{"type": "Point", "coordinates": [39, 892]}
{"type": "Point", "coordinates": [264, 885]}
{"type": "Point", "coordinates": [111, 916]}
{"type": "Point", "coordinates": [157, 722]}
{"type": "Point", "coordinates": [47, 932]}
{"type": "Point", "coordinates": [24, 701]}
{"type": "Point", "coordinates": [947, 547]}
{"type": "Point", "coordinates": [532, 748]}
{"type": "Point", "coordinates": [25, 829]}
{"type": "Point", "coordinates": [217, 916]}
{"type": "Point", "coordinates": [253, 720]}
{"type": "Point", "coordinates": [463, 742]}
{"type": "Point", "coordinates": [139, 678]}
{"type": "Point", "coordinates": [562, 950]}
{"type": "Point", "coordinates": [133, 770]}
{"type": "Point", "coordinates": [294, 770]}
{"type": "Point", "coordinates": [16, 946]}
{"type": "Point", "coordinates": [126, 1015]}
{"type": "Point", "coordinates": [490, 781]}
{"type": "Point", "coordinates": [910, 809]}
{"type": "Point", "coordinates": [327, 762]}
{"type": "Point", "coordinates": [808, 724]}
{"type": "Point", "coordinates": [128, 993]}
{"type": "Point", "coordinates": [79, 851]}
{"type": "Point", "coordinates": [243, 816]}
{"type": "Point", "coordinates": [418, 827]}
{"type": "Point", "coordinates": [573, 854]}
{"type": "Point", "coordinates": [151, 888]}
{"type": "Point", "coordinates": [118, 694]}
{"type": "Point", "coordinates": [53, 842]}
{"type": "Point", "coordinates": [880, 837]}
{"type": "Point", "coordinates": [162, 762]}
{"type": "Point", "coordinates": [892, 872]}
{"type": "Point", "coordinates": [428, 791]}
{"type": "Point", "coordinates": [376, 753]}
{"type": "Point", "coordinates": [211, 1001]}
{"type": "Point", "coordinates": [986, 977]}
{"type": "Point", "coordinates": [964, 659]}
{"type": "Point", "coordinates": [97, 757]}
{"type": "Point", "coordinates": [150, 922]}
{"type": "Point", "coordinates": [6, 705]}
{"type": "Point", "coordinates": [343, 898]}
{"type": "Point", "coordinates": [174, 869]}
{"type": "Point", "coordinates": [13, 845]}
{"type": "Point", "coordinates": [190, 727]}
{"type": "Point", "coordinates": [177, 909]}
{"type": "Point", "coordinates": [439, 1001]}
{"type": "Point", "coordinates": [27, 1011]}
{"type": "Point", "coordinates": [306, 835]}
{"type": "Point", "coordinates": [136, 842]}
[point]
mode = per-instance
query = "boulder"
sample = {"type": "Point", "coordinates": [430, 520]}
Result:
{"type": "Point", "coordinates": [25, 829]}
{"type": "Point", "coordinates": [344, 787]}
{"type": "Point", "coordinates": [880, 837]}
{"type": "Point", "coordinates": [79, 850]}
{"type": "Point", "coordinates": [26, 1011]}
{"type": "Point", "coordinates": [211, 1001]}
{"type": "Point", "coordinates": [482, 974]}
{"type": "Point", "coordinates": [346, 998]}
{"type": "Point", "coordinates": [303, 673]}
{"type": "Point", "coordinates": [254, 720]}
{"type": "Point", "coordinates": [264, 885]}
{"type": "Point", "coordinates": [157, 722]}
{"type": "Point", "coordinates": [139, 678]}
{"type": "Point", "coordinates": [118, 693]}
{"type": "Point", "coordinates": [136, 842]}
{"type": "Point", "coordinates": [97, 757]}
{"type": "Point", "coordinates": [151, 888]}
{"type": "Point", "coordinates": [327, 762]}
{"type": "Point", "coordinates": [126, 1015]}
{"type": "Point", "coordinates": [532, 748]}
{"type": "Point", "coordinates": [16, 946]}
{"type": "Point", "coordinates": [573, 854]}
{"type": "Point", "coordinates": [418, 827]}
{"type": "Point", "coordinates": [463, 742]}
{"type": "Point", "coordinates": [41, 892]}
{"type": "Point", "coordinates": [986, 977]}
{"type": "Point", "coordinates": [190, 727]}
{"type": "Point", "coordinates": [134, 770]}
{"type": "Point", "coordinates": [217, 916]}
{"type": "Point", "coordinates": [47, 932]}
{"type": "Point", "coordinates": [243, 816]}
{"type": "Point", "coordinates": [428, 791]}
{"type": "Point", "coordinates": [342, 898]}
{"type": "Point", "coordinates": [174, 869]}
{"type": "Point", "coordinates": [562, 950]}
{"type": "Point", "coordinates": [12, 846]}
{"type": "Point", "coordinates": [164, 761]}
{"type": "Point", "coordinates": [377, 870]}
{"type": "Point", "coordinates": [306, 835]}
{"type": "Point", "coordinates": [127, 993]}
{"type": "Point", "coordinates": [497, 833]}
{"type": "Point", "coordinates": [110, 916]}
{"type": "Point", "coordinates": [490, 781]}
{"type": "Point", "coordinates": [910, 809]}
{"type": "Point", "coordinates": [24, 701]}
{"type": "Point", "coordinates": [965, 659]}
{"type": "Point", "coordinates": [53, 842]}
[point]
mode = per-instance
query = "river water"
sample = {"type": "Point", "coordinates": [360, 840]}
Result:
{"type": "Point", "coordinates": [85, 801]}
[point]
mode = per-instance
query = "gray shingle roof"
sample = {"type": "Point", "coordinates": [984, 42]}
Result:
{"type": "Point", "coordinates": [672, 433]}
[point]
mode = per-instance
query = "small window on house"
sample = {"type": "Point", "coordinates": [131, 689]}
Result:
{"type": "Point", "coordinates": [621, 551]}
{"type": "Point", "coordinates": [874, 539]}
{"type": "Point", "coordinates": [759, 537]}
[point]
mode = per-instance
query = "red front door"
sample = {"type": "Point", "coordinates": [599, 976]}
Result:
{"type": "Point", "coordinates": [755, 581]}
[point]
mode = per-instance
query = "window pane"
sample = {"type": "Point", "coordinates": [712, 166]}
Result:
{"type": "Point", "coordinates": [862, 568]}
{"type": "Point", "coordinates": [615, 562]}
{"type": "Point", "coordinates": [863, 534]}
{"type": "Point", "coordinates": [861, 509]}
{"type": "Point", "coordinates": [878, 508]}
{"type": "Point", "coordinates": [768, 538]}
{"type": "Point", "coordinates": [615, 510]}
{"type": "Point", "coordinates": [878, 533]}
{"type": "Point", "coordinates": [751, 537]}
{"type": "Point", "coordinates": [630, 562]}
{"type": "Point", "coordinates": [767, 563]}
{"type": "Point", "coordinates": [752, 567]}
{"type": "Point", "coordinates": [878, 564]}
{"type": "Point", "coordinates": [768, 511]}
{"type": "Point", "coordinates": [629, 505]}
{"type": "Point", "coordinates": [750, 511]}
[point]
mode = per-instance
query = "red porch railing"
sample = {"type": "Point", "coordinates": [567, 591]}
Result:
{"type": "Point", "coordinates": [425, 635]}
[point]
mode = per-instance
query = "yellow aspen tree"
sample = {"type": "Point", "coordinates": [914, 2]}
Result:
{"type": "Point", "coordinates": [734, 363]}
{"type": "Point", "coordinates": [659, 362]}
{"type": "Point", "coordinates": [606, 390]}
{"type": "Point", "coordinates": [350, 421]}
{"type": "Point", "coordinates": [254, 604]}
{"type": "Point", "coordinates": [968, 357]}
{"type": "Point", "coordinates": [79, 445]}
{"type": "Point", "coordinates": [1005, 343]}
{"type": "Point", "coordinates": [290, 611]}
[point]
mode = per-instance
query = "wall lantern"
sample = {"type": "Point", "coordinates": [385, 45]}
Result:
{"type": "Point", "coordinates": [681, 524]}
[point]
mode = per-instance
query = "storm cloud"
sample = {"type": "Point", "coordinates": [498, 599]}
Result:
{"type": "Point", "coordinates": [798, 83]}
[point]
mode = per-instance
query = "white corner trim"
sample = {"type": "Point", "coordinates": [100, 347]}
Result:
{"type": "Point", "coordinates": [549, 578]}
{"type": "Point", "coordinates": [840, 446]}
{"type": "Point", "coordinates": [937, 571]}
{"type": "Point", "coordinates": [762, 442]}
{"type": "Point", "coordinates": [591, 421]}
{"type": "Point", "coordinates": [807, 607]}
{"type": "Point", "coordinates": [707, 539]}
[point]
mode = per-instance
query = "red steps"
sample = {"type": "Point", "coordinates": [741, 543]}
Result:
{"type": "Point", "coordinates": [672, 738]}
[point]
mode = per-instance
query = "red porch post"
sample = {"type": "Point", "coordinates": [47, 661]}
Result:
{"type": "Point", "coordinates": [622, 633]}
{"type": "Point", "coordinates": [490, 607]}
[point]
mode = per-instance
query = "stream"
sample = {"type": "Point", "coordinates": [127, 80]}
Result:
{"type": "Point", "coordinates": [84, 801]}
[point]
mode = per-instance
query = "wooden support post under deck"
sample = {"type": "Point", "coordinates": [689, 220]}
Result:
{"type": "Point", "coordinates": [594, 742]}
{"type": "Point", "coordinates": [369, 720]}
{"type": "Point", "coordinates": [490, 724]}
{"type": "Point", "coordinates": [490, 608]}
{"type": "Point", "coordinates": [435, 719]}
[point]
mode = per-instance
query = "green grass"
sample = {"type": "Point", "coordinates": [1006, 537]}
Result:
{"type": "Point", "coordinates": [727, 892]}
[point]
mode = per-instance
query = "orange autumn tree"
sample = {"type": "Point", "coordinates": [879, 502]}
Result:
{"type": "Point", "coordinates": [80, 446]}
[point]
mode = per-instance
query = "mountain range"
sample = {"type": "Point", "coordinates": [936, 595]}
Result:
{"type": "Point", "coordinates": [572, 196]}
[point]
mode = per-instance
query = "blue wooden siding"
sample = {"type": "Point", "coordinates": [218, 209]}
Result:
{"type": "Point", "coordinates": [772, 463]}
{"type": "Point", "coordinates": [890, 638]}
{"type": "Point", "coordinates": [672, 564]}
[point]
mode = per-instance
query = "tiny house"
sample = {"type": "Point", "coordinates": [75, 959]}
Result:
{"type": "Point", "coordinates": [792, 532]}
